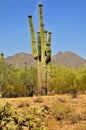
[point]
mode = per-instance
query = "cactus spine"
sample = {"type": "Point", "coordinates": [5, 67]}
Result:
{"type": "Point", "coordinates": [42, 54]}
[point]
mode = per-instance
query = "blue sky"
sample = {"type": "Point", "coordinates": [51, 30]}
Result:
{"type": "Point", "coordinates": [65, 18]}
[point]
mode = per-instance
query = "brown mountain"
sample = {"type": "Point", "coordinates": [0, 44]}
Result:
{"type": "Point", "coordinates": [68, 58]}
{"type": "Point", "coordinates": [20, 59]}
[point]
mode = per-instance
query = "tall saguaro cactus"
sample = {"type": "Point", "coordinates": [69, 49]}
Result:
{"type": "Point", "coordinates": [42, 54]}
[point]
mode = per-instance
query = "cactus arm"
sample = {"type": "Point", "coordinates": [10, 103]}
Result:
{"type": "Point", "coordinates": [45, 37]}
{"type": "Point", "coordinates": [48, 49]}
{"type": "Point", "coordinates": [42, 33]}
{"type": "Point", "coordinates": [39, 45]}
{"type": "Point", "coordinates": [49, 37]}
{"type": "Point", "coordinates": [45, 40]}
{"type": "Point", "coordinates": [34, 51]}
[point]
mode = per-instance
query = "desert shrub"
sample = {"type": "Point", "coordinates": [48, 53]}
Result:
{"type": "Point", "coordinates": [73, 117]}
{"type": "Point", "coordinates": [62, 80]}
{"type": "Point", "coordinates": [81, 82]}
{"type": "Point", "coordinates": [14, 91]}
{"type": "Point", "coordinates": [63, 111]}
{"type": "Point", "coordinates": [60, 110]}
{"type": "Point", "coordinates": [67, 80]}
{"type": "Point", "coordinates": [15, 82]}
{"type": "Point", "coordinates": [74, 90]}
{"type": "Point", "coordinates": [28, 80]}
{"type": "Point", "coordinates": [11, 118]}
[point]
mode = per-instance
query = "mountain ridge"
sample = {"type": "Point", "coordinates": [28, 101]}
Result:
{"type": "Point", "coordinates": [69, 59]}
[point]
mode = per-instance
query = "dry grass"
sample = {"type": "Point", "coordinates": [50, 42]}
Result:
{"type": "Point", "coordinates": [72, 111]}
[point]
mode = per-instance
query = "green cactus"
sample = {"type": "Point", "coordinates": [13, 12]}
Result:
{"type": "Point", "coordinates": [1, 56]}
{"type": "Point", "coordinates": [34, 51]}
{"type": "Point", "coordinates": [39, 46]}
{"type": "Point", "coordinates": [48, 49]}
{"type": "Point", "coordinates": [42, 54]}
{"type": "Point", "coordinates": [13, 118]}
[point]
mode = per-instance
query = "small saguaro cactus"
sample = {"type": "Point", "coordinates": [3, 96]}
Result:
{"type": "Point", "coordinates": [42, 53]}
{"type": "Point", "coordinates": [1, 56]}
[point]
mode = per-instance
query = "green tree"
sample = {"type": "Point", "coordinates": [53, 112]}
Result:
{"type": "Point", "coordinates": [63, 79]}
{"type": "Point", "coordinates": [28, 78]}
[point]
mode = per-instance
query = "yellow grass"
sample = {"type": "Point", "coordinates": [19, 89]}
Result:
{"type": "Point", "coordinates": [79, 105]}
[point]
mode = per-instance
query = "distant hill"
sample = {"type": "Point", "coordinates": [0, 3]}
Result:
{"type": "Point", "coordinates": [68, 59]}
{"type": "Point", "coordinates": [21, 58]}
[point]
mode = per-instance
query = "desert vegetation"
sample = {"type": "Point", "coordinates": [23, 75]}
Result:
{"type": "Point", "coordinates": [57, 112]}
{"type": "Point", "coordinates": [63, 108]}
{"type": "Point", "coordinates": [16, 82]}
{"type": "Point", "coordinates": [47, 96]}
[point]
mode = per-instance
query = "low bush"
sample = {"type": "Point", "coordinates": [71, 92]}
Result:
{"type": "Point", "coordinates": [60, 110]}
{"type": "Point", "coordinates": [73, 117]}
{"type": "Point", "coordinates": [13, 119]}
{"type": "Point", "coordinates": [63, 111]}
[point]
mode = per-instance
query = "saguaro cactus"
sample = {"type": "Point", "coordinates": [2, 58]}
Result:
{"type": "Point", "coordinates": [42, 54]}
{"type": "Point", "coordinates": [1, 56]}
